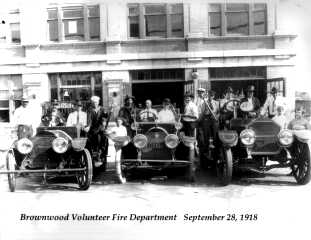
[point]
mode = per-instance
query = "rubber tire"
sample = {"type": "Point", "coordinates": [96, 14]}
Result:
{"type": "Point", "coordinates": [225, 167]}
{"type": "Point", "coordinates": [11, 165]}
{"type": "Point", "coordinates": [302, 158]}
{"type": "Point", "coordinates": [85, 183]}
{"type": "Point", "coordinates": [120, 174]}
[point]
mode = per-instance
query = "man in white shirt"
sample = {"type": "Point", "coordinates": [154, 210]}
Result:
{"type": "Point", "coordinates": [190, 116]}
{"type": "Point", "coordinates": [23, 117]}
{"type": "Point", "coordinates": [78, 117]}
{"type": "Point", "coordinates": [272, 102]}
{"type": "Point", "coordinates": [119, 130]}
{"type": "Point", "coordinates": [166, 114]}
{"type": "Point", "coordinates": [148, 114]}
{"type": "Point", "coordinates": [199, 101]}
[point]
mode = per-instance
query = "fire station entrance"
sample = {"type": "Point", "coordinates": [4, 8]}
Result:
{"type": "Point", "coordinates": [157, 85]}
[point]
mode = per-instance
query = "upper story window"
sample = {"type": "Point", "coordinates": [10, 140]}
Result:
{"type": "Point", "coordinates": [237, 19]}
{"type": "Point", "coordinates": [14, 22]}
{"type": "Point", "coordinates": [74, 23]}
{"type": "Point", "coordinates": [155, 20]}
{"type": "Point", "coordinates": [10, 28]}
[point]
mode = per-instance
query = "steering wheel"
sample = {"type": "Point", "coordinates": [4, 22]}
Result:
{"type": "Point", "coordinates": [228, 108]}
{"type": "Point", "coordinates": [153, 115]}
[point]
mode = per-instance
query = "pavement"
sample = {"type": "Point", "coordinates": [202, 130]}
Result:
{"type": "Point", "coordinates": [280, 206]}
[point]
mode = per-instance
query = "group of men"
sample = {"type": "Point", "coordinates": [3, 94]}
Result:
{"type": "Point", "coordinates": [202, 115]}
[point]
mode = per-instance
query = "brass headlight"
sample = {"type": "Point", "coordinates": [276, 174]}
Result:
{"type": "Point", "coordinates": [171, 141]}
{"type": "Point", "coordinates": [60, 145]}
{"type": "Point", "coordinates": [140, 141]}
{"type": "Point", "coordinates": [248, 137]}
{"type": "Point", "coordinates": [24, 146]}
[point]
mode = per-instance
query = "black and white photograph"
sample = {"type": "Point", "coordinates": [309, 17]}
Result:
{"type": "Point", "coordinates": [155, 119]}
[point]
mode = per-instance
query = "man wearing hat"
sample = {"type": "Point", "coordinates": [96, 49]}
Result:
{"type": "Point", "coordinates": [190, 116]}
{"type": "Point", "coordinates": [78, 117]}
{"type": "Point", "coordinates": [166, 114]}
{"type": "Point", "coordinates": [95, 130]}
{"type": "Point", "coordinates": [251, 103]}
{"type": "Point", "coordinates": [272, 102]}
{"type": "Point", "coordinates": [200, 99]}
{"type": "Point", "coordinates": [23, 118]}
{"type": "Point", "coordinates": [127, 113]}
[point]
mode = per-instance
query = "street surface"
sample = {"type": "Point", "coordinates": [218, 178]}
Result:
{"type": "Point", "coordinates": [282, 208]}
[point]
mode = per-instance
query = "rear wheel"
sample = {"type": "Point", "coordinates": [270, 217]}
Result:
{"type": "Point", "coordinates": [301, 164]}
{"type": "Point", "coordinates": [11, 166]}
{"type": "Point", "coordinates": [225, 166]}
{"type": "Point", "coordinates": [85, 178]}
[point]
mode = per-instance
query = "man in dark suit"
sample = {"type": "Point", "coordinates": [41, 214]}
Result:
{"type": "Point", "coordinates": [97, 141]}
{"type": "Point", "coordinates": [127, 112]}
{"type": "Point", "coordinates": [250, 105]}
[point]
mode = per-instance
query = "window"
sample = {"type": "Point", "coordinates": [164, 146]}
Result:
{"type": "Point", "coordinates": [158, 74]}
{"type": "Point", "coordinates": [15, 27]}
{"type": "Point", "coordinates": [72, 86]}
{"type": "Point", "coordinates": [158, 20]}
{"type": "Point", "coordinates": [134, 20]}
{"type": "Point", "coordinates": [74, 23]}
{"type": "Point", "coordinates": [237, 19]}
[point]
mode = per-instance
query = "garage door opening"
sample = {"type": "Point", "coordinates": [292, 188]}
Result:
{"type": "Point", "coordinates": [156, 92]}
{"type": "Point", "coordinates": [157, 84]}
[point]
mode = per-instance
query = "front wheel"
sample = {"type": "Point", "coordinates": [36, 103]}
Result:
{"type": "Point", "coordinates": [225, 166]}
{"type": "Point", "coordinates": [301, 164]}
{"type": "Point", "coordinates": [11, 166]}
{"type": "Point", "coordinates": [84, 178]}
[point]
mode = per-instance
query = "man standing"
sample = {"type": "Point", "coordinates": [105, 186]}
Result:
{"type": "Point", "coordinates": [250, 105]}
{"type": "Point", "coordinates": [190, 116]}
{"type": "Point", "coordinates": [148, 114]}
{"type": "Point", "coordinates": [208, 120]}
{"type": "Point", "coordinates": [166, 114]}
{"type": "Point", "coordinates": [127, 113]}
{"type": "Point", "coordinates": [95, 129]}
{"type": "Point", "coordinates": [77, 118]}
{"type": "Point", "coordinates": [24, 120]}
{"type": "Point", "coordinates": [272, 102]}
{"type": "Point", "coordinates": [199, 101]}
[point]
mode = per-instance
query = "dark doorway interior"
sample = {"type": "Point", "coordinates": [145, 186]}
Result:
{"type": "Point", "coordinates": [220, 86]}
{"type": "Point", "coordinates": [156, 92]}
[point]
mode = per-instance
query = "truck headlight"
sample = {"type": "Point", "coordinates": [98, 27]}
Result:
{"type": "Point", "coordinates": [171, 141]}
{"type": "Point", "coordinates": [248, 137]}
{"type": "Point", "coordinates": [285, 137]}
{"type": "Point", "coordinates": [60, 145]}
{"type": "Point", "coordinates": [140, 141]}
{"type": "Point", "coordinates": [24, 146]}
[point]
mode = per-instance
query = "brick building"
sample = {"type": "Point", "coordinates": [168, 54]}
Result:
{"type": "Point", "coordinates": [72, 49]}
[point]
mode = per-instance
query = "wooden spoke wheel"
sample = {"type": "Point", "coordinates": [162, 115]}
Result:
{"type": "Point", "coordinates": [85, 178]}
{"type": "Point", "coordinates": [301, 164]}
{"type": "Point", "coordinates": [11, 166]}
{"type": "Point", "coordinates": [225, 166]}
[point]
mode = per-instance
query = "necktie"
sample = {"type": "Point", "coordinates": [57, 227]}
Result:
{"type": "Point", "coordinates": [78, 118]}
{"type": "Point", "coordinates": [273, 106]}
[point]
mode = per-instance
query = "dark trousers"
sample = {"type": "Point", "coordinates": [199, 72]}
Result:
{"type": "Point", "coordinates": [208, 128]}
{"type": "Point", "coordinates": [189, 128]}
{"type": "Point", "coordinates": [97, 142]}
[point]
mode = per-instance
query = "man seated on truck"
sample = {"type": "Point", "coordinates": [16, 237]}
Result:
{"type": "Point", "coordinates": [148, 114]}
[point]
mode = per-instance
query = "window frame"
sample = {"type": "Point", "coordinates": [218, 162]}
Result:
{"type": "Point", "coordinates": [251, 20]}
{"type": "Point", "coordinates": [142, 20]}
{"type": "Point", "coordinates": [61, 22]}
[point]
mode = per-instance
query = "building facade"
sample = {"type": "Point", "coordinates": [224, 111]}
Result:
{"type": "Point", "coordinates": [69, 50]}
